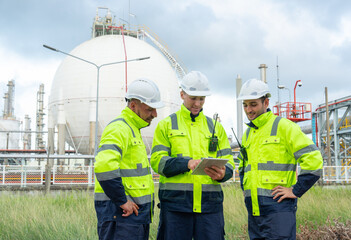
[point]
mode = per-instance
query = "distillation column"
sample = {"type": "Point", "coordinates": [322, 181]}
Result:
{"type": "Point", "coordinates": [39, 142]}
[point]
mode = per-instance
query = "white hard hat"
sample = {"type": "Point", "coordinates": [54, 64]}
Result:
{"type": "Point", "coordinates": [195, 84]}
{"type": "Point", "coordinates": [146, 91]}
{"type": "Point", "coordinates": [253, 89]}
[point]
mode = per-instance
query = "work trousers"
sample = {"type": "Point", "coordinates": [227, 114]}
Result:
{"type": "Point", "coordinates": [112, 230]}
{"type": "Point", "coordinates": [279, 225]}
{"type": "Point", "coordinates": [187, 226]}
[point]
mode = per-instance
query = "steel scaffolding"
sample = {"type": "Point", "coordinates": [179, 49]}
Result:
{"type": "Point", "coordinates": [340, 134]}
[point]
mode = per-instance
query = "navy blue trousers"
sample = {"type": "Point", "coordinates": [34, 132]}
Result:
{"type": "Point", "coordinates": [112, 230]}
{"type": "Point", "coordinates": [187, 226]}
{"type": "Point", "coordinates": [279, 225]}
{"type": "Point", "coordinates": [277, 220]}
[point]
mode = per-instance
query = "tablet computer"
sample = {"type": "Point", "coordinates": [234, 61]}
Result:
{"type": "Point", "coordinates": [208, 162]}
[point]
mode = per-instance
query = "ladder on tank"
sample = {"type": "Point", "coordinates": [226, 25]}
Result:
{"type": "Point", "coordinates": [180, 70]}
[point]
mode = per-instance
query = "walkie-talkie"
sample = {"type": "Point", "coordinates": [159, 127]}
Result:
{"type": "Point", "coordinates": [214, 139]}
{"type": "Point", "coordinates": [242, 148]}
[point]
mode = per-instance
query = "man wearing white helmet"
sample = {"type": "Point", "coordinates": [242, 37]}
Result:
{"type": "Point", "coordinates": [124, 189]}
{"type": "Point", "coordinates": [271, 148]}
{"type": "Point", "coordinates": [191, 205]}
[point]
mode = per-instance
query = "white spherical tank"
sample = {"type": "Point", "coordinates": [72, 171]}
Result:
{"type": "Point", "coordinates": [73, 94]}
{"type": "Point", "coordinates": [9, 140]}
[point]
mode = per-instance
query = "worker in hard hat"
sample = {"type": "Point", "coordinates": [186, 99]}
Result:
{"type": "Point", "coordinates": [124, 190]}
{"type": "Point", "coordinates": [191, 206]}
{"type": "Point", "coordinates": [272, 147]}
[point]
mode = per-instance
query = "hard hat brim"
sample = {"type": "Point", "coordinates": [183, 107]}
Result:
{"type": "Point", "coordinates": [249, 97]}
{"type": "Point", "coordinates": [156, 105]}
{"type": "Point", "coordinates": [197, 93]}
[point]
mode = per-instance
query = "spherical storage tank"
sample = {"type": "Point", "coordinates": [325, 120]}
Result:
{"type": "Point", "coordinates": [9, 140]}
{"type": "Point", "coordinates": [73, 94]}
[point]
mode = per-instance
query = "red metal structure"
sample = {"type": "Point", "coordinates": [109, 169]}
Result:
{"type": "Point", "coordinates": [294, 111]}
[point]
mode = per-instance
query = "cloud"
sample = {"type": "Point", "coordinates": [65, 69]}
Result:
{"type": "Point", "coordinates": [28, 75]}
{"type": "Point", "coordinates": [225, 106]}
{"type": "Point", "coordinates": [312, 40]}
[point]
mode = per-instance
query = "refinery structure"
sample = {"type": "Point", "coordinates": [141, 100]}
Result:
{"type": "Point", "coordinates": [88, 92]}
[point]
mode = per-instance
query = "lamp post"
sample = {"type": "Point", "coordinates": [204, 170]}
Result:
{"type": "Point", "coordinates": [283, 87]}
{"type": "Point", "coordinates": [97, 83]}
{"type": "Point", "coordinates": [297, 83]}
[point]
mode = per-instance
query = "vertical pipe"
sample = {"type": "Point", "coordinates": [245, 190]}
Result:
{"type": "Point", "coordinates": [61, 127]}
{"type": "Point", "coordinates": [27, 137]}
{"type": "Point", "coordinates": [51, 133]}
{"type": "Point", "coordinates": [314, 128]}
{"type": "Point", "coordinates": [328, 130]}
{"type": "Point", "coordinates": [50, 150]}
{"type": "Point", "coordinates": [336, 146]}
{"type": "Point", "coordinates": [7, 140]}
{"type": "Point", "coordinates": [239, 111]}
{"type": "Point", "coordinates": [97, 112]}
{"type": "Point", "coordinates": [125, 58]}
{"type": "Point", "coordinates": [92, 125]}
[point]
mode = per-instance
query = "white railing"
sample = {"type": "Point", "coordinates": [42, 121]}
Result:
{"type": "Point", "coordinates": [339, 174]}
{"type": "Point", "coordinates": [21, 175]}
{"type": "Point", "coordinates": [35, 175]}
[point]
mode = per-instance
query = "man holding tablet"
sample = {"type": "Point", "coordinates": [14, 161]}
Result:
{"type": "Point", "coordinates": [191, 205]}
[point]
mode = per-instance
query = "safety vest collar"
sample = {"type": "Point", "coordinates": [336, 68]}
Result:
{"type": "Point", "coordinates": [185, 113]}
{"type": "Point", "coordinates": [262, 119]}
{"type": "Point", "coordinates": [133, 118]}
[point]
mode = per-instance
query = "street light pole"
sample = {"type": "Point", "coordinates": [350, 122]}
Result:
{"type": "Point", "coordinates": [299, 83]}
{"type": "Point", "coordinates": [283, 87]}
{"type": "Point", "coordinates": [97, 84]}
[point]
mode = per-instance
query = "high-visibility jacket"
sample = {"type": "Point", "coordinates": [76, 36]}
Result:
{"type": "Point", "coordinates": [123, 171]}
{"type": "Point", "coordinates": [274, 146]}
{"type": "Point", "coordinates": [177, 139]}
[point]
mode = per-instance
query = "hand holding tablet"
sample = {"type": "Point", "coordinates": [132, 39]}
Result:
{"type": "Point", "coordinates": [208, 162]}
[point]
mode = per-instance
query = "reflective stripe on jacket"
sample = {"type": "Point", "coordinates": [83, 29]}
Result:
{"type": "Point", "coordinates": [274, 147]}
{"type": "Point", "coordinates": [122, 168]}
{"type": "Point", "coordinates": [178, 139]}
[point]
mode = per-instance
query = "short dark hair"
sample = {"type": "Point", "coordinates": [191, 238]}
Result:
{"type": "Point", "coordinates": [132, 100]}
{"type": "Point", "coordinates": [263, 98]}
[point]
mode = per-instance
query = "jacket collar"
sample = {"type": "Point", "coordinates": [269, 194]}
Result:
{"type": "Point", "coordinates": [185, 113]}
{"type": "Point", "coordinates": [260, 120]}
{"type": "Point", "coordinates": [133, 118]}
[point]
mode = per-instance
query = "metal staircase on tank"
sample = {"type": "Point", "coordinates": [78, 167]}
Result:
{"type": "Point", "coordinates": [175, 63]}
{"type": "Point", "coordinates": [107, 26]}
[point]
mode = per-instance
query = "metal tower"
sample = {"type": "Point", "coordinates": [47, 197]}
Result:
{"type": "Point", "coordinates": [9, 97]}
{"type": "Point", "coordinates": [39, 142]}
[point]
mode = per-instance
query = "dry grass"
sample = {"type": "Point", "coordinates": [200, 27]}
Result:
{"type": "Point", "coordinates": [330, 231]}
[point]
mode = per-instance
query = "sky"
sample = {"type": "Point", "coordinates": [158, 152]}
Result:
{"type": "Point", "coordinates": [308, 40]}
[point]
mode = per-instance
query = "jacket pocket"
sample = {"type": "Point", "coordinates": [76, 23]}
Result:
{"type": "Point", "coordinates": [269, 149]}
{"type": "Point", "coordinates": [138, 151]}
{"type": "Point", "coordinates": [274, 179]}
{"type": "Point", "coordinates": [179, 143]}
{"type": "Point", "coordinates": [136, 183]}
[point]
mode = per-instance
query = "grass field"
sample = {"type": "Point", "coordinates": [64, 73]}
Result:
{"type": "Point", "coordinates": [71, 214]}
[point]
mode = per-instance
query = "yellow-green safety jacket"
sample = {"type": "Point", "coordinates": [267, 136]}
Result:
{"type": "Point", "coordinates": [123, 171]}
{"type": "Point", "coordinates": [274, 146]}
{"type": "Point", "coordinates": [177, 139]}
